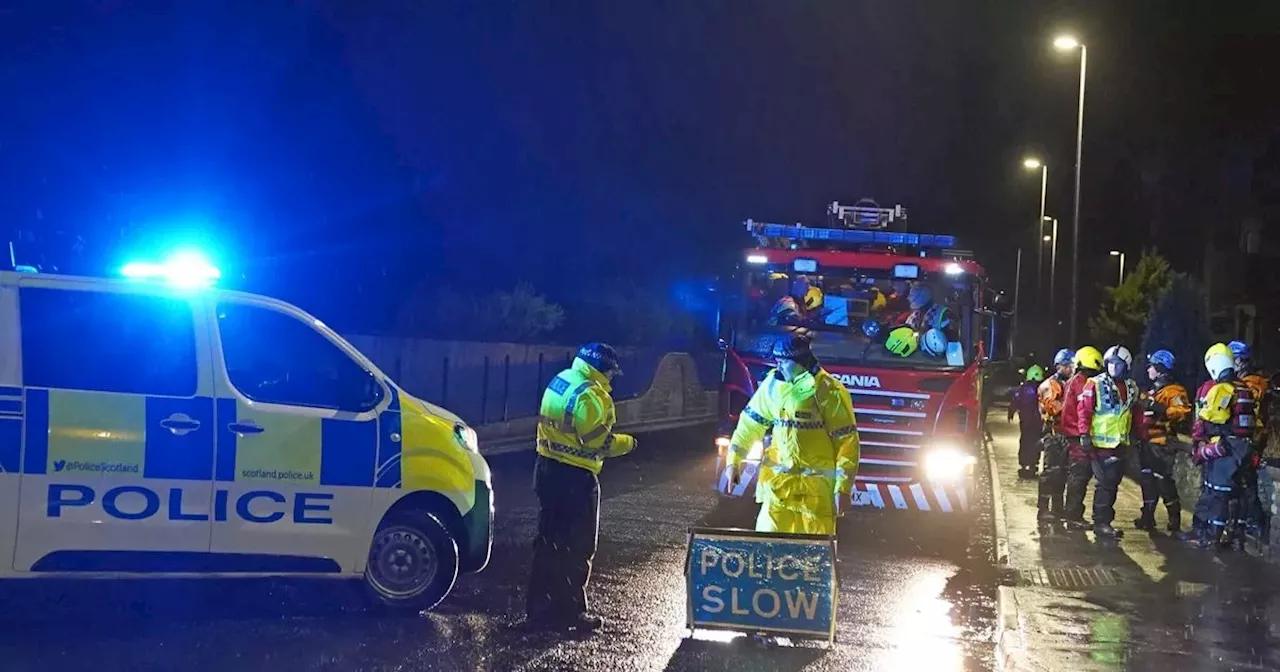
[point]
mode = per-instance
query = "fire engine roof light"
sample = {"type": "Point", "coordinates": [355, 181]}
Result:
{"type": "Point", "coordinates": [953, 269]}
{"type": "Point", "coordinates": [757, 259]}
{"type": "Point", "coordinates": [183, 269]}
{"type": "Point", "coordinates": [853, 236]}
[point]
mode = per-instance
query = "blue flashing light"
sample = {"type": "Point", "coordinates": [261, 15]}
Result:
{"type": "Point", "coordinates": [182, 269]}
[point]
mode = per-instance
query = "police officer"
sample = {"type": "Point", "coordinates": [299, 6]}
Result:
{"type": "Point", "coordinates": [1026, 405]}
{"type": "Point", "coordinates": [1088, 363]}
{"type": "Point", "coordinates": [575, 435]}
{"type": "Point", "coordinates": [1053, 479]}
{"type": "Point", "coordinates": [1105, 421]}
{"type": "Point", "coordinates": [1164, 406]}
{"type": "Point", "coordinates": [808, 471]}
{"type": "Point", "coordinates": [1224, 425]}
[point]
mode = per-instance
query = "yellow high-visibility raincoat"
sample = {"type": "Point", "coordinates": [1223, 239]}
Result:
{"type": "Point", "coordinates": [813, 454]}
{"type": "Point", "coordinates": [577, 418]}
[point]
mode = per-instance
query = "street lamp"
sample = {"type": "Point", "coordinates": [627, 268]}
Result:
{"type": "Point", "coordinates": [1053, 269]}
{"type": "Point", "coordinates": [1032, 163]}
{"type": "Point", "coordinates": [1118, 253]}
{"type": "Point", "coordinates": [1068, 43]}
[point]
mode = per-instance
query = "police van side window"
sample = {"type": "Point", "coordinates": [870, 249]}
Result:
{"type": "Point", "coordinates": [107, 342]}
{"type": "Point", "coordinates": [275, 358]}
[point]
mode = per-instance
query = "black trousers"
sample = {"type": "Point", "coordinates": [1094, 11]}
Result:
{"type": "Point", "coordinates": [568, 528]}
{"type": "Point", "coordinates": [1029, 448]}
{"type": "Point", "coordinates": [1108, 475]}
{"type": "Point", "coordinates": [1078, 474]}
{"type": "Point", "coordinates": [1053, 479]}
{"type": "Point", "coordinates": [1248, 506]}
{"type": "Point", "coordinates": [1156, 479]}
{"type": "Point", "coordinates": [1213, 507]}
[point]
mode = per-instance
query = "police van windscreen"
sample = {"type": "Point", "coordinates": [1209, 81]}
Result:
{"type": "Point", "coordinates": [863, 317]}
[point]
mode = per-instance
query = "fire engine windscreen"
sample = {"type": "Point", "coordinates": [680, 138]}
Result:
{"type": "Point", "coordinates": [863, 316]}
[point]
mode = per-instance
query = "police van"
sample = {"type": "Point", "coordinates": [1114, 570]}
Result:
{"type": "Point", "coordinates": [153, 429]}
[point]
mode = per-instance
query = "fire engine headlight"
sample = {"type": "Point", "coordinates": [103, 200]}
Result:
{"type": "Point", "coordinates": [947, 463]}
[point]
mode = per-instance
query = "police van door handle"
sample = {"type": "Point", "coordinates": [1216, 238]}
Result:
{"type": "Point", "coordinates": [180, 424]}
{"type": "Point", "coordinates": [246, 427]}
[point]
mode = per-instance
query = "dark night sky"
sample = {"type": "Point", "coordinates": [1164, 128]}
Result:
{"type": "Point", "coordinates": [567, 143]}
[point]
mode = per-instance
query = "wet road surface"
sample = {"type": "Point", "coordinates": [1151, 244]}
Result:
{"type": "Point", "coordinates": [916, 593]}
{"type": "Point", "coordinates": [1143, 603]}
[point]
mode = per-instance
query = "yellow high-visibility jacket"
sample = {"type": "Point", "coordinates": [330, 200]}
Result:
{"type": "Point", "coordinates": [814, 452]}
{"type": "Point", "coordinates": [577, 418]}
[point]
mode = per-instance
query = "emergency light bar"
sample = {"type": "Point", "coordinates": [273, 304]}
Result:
{"type": "Point", "coordinates": [850, 236]}
{"type": "Point", "coordinates": [183, 269]}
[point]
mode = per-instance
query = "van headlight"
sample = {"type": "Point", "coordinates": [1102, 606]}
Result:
{"type": "Point", "coordinates": [947, 463]}
{"type": "Point", "coordinates": [466, 437]}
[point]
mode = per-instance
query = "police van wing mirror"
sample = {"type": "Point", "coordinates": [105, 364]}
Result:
{"type": "Point", "coordinates": [364, 394]}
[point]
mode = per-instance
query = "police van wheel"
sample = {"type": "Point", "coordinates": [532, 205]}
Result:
{"type": "Point", "coordinates": [413, 562]}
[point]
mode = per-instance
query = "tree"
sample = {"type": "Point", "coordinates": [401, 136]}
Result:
{"type": "Point", "coordinates": [521, 314]}
{"type": "Point", "coordinates": [1179, 323]}
{"type": "Point", "coordinates": [1120, 320]}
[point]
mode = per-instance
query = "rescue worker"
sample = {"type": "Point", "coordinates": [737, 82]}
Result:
{"type": "Point", "coordinates": [1026, 405]}
{"type": "Point", "coordinates": [1164, 407]}
{"type": "Point", "coordinates": [1053, 480]}
{"type": "Point", "coordinates": [575, 436]}
{"type": "Point", "coordinates": [1088, 363]}
{"type": "Point", "coordinates": [1248, 505]}
{"type": "Point", "coordinates": [807, 474]}
{"type": "Point", "coordinates": [1105, 421]}
{"type": "Point", "coordinates": [1223, 427]}
{"type": "Point", "coordinates": [799, 307]}
{"type": "Point", "coordinates": [925, 313]}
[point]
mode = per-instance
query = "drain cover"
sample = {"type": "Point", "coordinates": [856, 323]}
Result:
{"type": "Point", "coordinates": [1071, 578]}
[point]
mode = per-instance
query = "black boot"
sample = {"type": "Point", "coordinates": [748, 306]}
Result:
{"type": "Point", "coordinates": [1146, 521]}
{"type": "Point", "coordinates": [1206, 537]}
{"type": "Point", "coordinates": [1104, 530]}
{"type": "Point", "coordinates": [1175, 518]}
{"type": "Point", "coordinates": [1077, 524]}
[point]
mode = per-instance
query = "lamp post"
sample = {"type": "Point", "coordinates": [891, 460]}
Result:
{"type": "Point", "coordinates": [1067, 43]}
{"type": "Point", "coordinates": [1053, 268]}
{"type": "Point", "coordinates": [1118, 253]}
{"type": "Point", "coordinates": [1033, 164]}
{"type": "Point", "coordinates": [1017, 285]}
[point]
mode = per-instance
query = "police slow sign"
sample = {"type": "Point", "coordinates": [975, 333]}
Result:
{"type": "Point", "coordinates": [760, 582]}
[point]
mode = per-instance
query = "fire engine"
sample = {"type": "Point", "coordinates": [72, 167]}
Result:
{"type": "Point", "coordinates": [898, 317]}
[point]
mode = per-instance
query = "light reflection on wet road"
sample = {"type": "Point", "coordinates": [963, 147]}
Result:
{"type": "Point", "coordinates": [911, 598]}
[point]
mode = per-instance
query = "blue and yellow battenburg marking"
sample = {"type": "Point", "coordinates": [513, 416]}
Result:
{"type": "Point", "coordinates": [11, 412]}
{"type": "Point", "coordinates": [131, 436]}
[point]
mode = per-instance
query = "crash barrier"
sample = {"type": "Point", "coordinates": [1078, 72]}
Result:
{"type": "Point", "coordinates": [759, 582]}
{"type": "Point", "coordinates": [497, 387]}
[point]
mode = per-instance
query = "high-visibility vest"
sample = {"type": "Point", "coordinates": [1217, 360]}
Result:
{"type": "Point", "coordinates": [577, 418]}
{"type": "Point", "coordinates": [1112, 417]}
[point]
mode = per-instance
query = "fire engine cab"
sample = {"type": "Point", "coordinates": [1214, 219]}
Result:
{"type": "Point", "coordinates": [897, 317]}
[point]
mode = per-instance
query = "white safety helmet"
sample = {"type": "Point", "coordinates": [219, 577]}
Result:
{"type": "Point", "coordinates": [934, 343]}
{"type": "Point", "coordinates": [1218, 363]}
{"type": "Point", "coordinates": [1118, 360]}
